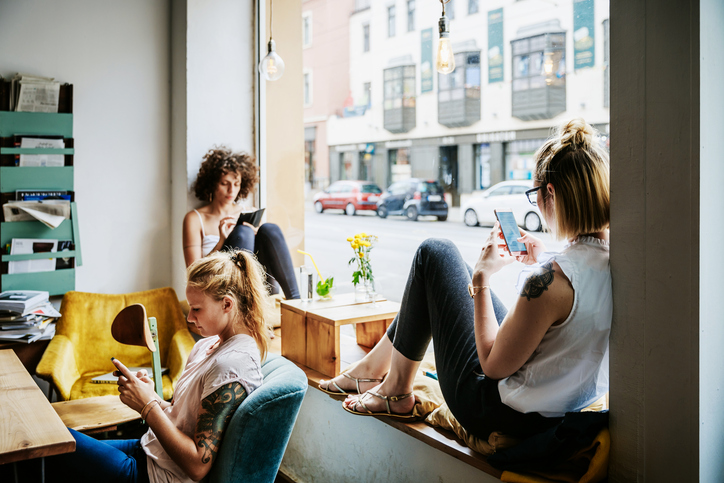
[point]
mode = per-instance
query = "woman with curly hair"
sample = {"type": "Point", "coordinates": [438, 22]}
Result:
{"type": "Point", "coordinates": [225, 179]}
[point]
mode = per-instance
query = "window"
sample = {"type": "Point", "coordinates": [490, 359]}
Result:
{"type": "Point", "coordinates": [391, 21]}
{"type": "Point", "coordinates": [606, 62]}
{"type": "Point", "coordinates": [367, 93]}
{"type": "Point", "coordinates": [306, 29]}
{"type": "Point", "coordinates": [410, 15]}
{"type": "Point", "coordinates": [472, 7]}
{"type": "Point", "coordinates": [307, 88]}
{"type": "Point", "coordinates": [458, 94]}
{"type": "Point", "coordinates": [399, 103]}
{"type": "Point", "coordinates": [366, 38]}
{"type": "Point", "coordinates": [539, 76]}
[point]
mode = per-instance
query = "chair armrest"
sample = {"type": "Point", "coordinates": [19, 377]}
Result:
{"type": "Point", "coordinates": [58, 365]}
{"type": "Point", "coordinates": [178, 352]}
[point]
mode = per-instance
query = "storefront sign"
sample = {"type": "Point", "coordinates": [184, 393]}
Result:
{"type": "Point", "coordinates": [447, 140]}
{"type": "Point", "coordinates": [426, 61]}
{"type": "Point", "coordinates": [398, 144]}
{"type": "Point", "coordinates": [495, 46]}
{"type": "Point", "coordinates": [583, 34]}
{"type": "Point", "coordinates": [495, 137]}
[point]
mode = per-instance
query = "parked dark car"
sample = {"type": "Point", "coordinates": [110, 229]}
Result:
{"type": "Point", "coordinates": [412, 198]}
{"type": "Point", "coordinates": [350, 196]}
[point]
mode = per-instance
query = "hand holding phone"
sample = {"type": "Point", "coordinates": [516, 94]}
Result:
{"type": "Point", "coordinates": [511, 232]}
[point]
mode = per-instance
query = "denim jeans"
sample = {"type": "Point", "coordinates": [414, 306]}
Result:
{"type": "Point", "coordinates": [109, 461]}
{"type": "Point", "coordinates": [436, 305]}
{"type": "Point", "coordinates": [271, 250]}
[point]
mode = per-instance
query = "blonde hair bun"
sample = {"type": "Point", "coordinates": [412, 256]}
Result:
{"type": "Point", "coordinates": [577, 134]}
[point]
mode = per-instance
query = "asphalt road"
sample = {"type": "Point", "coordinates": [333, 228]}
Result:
{"type": "Point", "coordinates": [326, 234]}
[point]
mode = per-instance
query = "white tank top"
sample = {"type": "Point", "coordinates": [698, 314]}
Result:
{"type": "Point", "coordinates": [569, 369]}
{"type": "Point", "coordinates": [208, 242]}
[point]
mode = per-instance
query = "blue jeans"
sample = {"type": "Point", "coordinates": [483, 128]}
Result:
{"type": "Point", "coordinates": [108, 461]}
{"type": "Point", "coordinates": [436, 305]}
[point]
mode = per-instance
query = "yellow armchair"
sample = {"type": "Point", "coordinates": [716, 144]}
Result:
{"type": "Point", "coordinates": [83, 346]}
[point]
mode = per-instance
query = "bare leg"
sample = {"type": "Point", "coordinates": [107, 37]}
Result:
{"type": "Point", "coordinates": [375, 365]}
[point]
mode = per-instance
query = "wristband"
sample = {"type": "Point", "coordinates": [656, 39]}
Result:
{"type": "Point", "coordinates": [143, 417]}
{"type": "Point", "coordinates": [473, 291]}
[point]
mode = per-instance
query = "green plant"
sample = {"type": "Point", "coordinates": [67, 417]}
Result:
{"type": "Point", "coordinates": [323, 288]}
{"type": "Point", "coordinates": [362, 245]}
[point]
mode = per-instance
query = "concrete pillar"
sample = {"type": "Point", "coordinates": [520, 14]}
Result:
{"type": "Point", "coordinates": [466, 168]}
{"type": "Point", "coordinates": [497, 163]}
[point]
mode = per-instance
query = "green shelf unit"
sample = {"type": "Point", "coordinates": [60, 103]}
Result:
{"type": "Point", "coordinates": [39, 178]}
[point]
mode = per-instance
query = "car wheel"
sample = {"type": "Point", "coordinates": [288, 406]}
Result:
{"type": "Point", "coordinates": [411, 213]}
{"type": "Point", "coordinates": [470, 218]}
{"type": "Point", "coordinates": [350, 209]}
{"type": "Point", "coordinates": [442, 218]}
{"type": "Point", "coordinates": [382, 211]}
{"type": "Point", "coordinates": [318, 207]}
{"type": "Point", "coordinates": [532, 222]}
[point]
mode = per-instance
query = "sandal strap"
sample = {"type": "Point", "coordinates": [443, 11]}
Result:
{"type": "Point", "coordinates": [387, 399]}
{"type": "Point", "coordinates": [341, 391]}
{"type": "Point", "coordinates": [357, 381]}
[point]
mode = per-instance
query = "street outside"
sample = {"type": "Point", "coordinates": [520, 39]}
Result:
{"type": "Point", "coordinates": [326, 239]}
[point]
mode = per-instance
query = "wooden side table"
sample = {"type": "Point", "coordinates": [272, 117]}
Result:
{"type": "Point", "coordinates": [94, 414]}
{"type": "Point", "coordinates": [310, 332]}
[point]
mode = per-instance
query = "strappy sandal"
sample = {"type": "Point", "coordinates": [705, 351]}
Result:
{"type": "Point", "coordinates": [342, 392]}
{"type": "Point", "coordinates": [387, 400]}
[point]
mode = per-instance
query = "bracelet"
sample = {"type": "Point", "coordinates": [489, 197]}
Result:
{"type": "Point", "coordinates": [143, 417]}
{"type": "Point", "coordinates": [473, 291]}
{"type": "Point", "coordinates": [146, 405]}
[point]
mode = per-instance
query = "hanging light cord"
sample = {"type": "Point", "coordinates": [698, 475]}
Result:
{"type": "Point", "coordinates": [271, 18]}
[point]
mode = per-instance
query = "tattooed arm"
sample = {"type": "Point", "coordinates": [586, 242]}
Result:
{"type": "Point", "coordinates": [546, 299]}
{"type": "Point", "coordinates": [195, 456]}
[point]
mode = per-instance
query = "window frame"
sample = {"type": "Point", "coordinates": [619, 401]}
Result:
{"type": "Point", "coordinates": [307, 28]}
{"type": "Point", "coordinates": [391, 21]}
{"type": "Point", "coordinates": [366, 41]}
{"type": "Point", "coordinates": [307, 87]}
{"type": "Point", "coordinates": [411, 15]}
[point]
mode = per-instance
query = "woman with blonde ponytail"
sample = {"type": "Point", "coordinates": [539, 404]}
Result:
{"type": "Point", "coordinates": [228, 305]}
{"type": "Point", "coordinates": [516, 371]}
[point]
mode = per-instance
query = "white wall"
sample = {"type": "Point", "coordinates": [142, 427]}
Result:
{"type": "Point", "coordinates": [213, 95]}
{"type": "Point", "coordinates": [116, 54]}
{"type": "Point", "coordinates": [711, 417]}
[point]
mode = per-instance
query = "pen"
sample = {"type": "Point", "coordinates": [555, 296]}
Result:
{"type": "Point", "coordinates": [432, 375]}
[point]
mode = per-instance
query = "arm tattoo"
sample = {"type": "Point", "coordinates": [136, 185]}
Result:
{"type": "Point", "coordinates": [214, 415]}
{"type": "Point", "coordinates": [538, 282]}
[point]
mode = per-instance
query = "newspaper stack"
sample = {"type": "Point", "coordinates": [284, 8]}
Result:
{"type": "Point", "coordinates": [30, 93]}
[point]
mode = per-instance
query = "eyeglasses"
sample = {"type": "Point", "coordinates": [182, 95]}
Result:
{"type": "Point", "coordinates": [532, 195]}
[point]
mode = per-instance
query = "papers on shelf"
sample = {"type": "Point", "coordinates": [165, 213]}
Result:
{"type": "Point", "coordinates": [50, 212]}
{"type": "Point", "coordinates": [29, 93]}
{"type": "Point", "coordinates": [25, 246]}
{"type": "Point", "coordinates": [46, 309]}
{"type": "Point", "coordinates": [22, 301]}
{"type": "Point", "coordinates": [42, 159]}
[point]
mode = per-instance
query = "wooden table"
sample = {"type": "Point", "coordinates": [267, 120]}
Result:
{"type": "Point", "coordinates": [94, 414]}
{"type": "Point", "coordinates": [29, 426]}
{"type": "Point", "coordinates": [310, 330]}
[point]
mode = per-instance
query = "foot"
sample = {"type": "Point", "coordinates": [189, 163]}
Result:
{"type": "Point", "coordinates": [346, 383]}
{"type": "Point", "coordinates": [402, 406]}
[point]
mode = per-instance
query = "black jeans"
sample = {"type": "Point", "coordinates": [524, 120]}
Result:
{"type": "Point", "coordinates": [436, 305]}
{"type": "Point", "coordinates": [271, 250]}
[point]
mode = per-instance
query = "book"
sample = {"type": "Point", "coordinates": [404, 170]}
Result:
{"type": "Point", "coordinates": [252, 217]}
{"type": "Point", "coordinates": [22, 301]}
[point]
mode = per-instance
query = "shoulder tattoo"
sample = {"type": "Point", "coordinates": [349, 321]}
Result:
{"type": "Point", "coordinates": [538, 282]}
{"type": "Point", "coordinates": [215, 413]}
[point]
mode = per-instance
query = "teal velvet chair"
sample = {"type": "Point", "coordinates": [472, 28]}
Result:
{"type": "Point", "coordinates": [259, 431]}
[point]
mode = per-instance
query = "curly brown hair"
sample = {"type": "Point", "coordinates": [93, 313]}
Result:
{"type": "Point", "coordinates": [220, 161]}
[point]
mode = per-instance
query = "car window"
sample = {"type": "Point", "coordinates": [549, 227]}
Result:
{"type": "Point", "coordinates": [519, 190]}
{"type": "Point", "coordinates": [333, 189]}
{"type": "Point", "coordinates": [345, 188]}
{"type": "Point", "coordinates": [430, 187]}
{"type": "Point", "coordinates": [371, 188]}
{"type": "Point", "coordinates": [397, 188]}
{"type": "Point", "coordinates": [502, 191]}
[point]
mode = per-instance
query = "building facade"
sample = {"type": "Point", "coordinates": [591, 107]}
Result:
{"type": "Point", "coordinates": [325, 57]}
{"type": "Point", "coordinates": [522, 68]}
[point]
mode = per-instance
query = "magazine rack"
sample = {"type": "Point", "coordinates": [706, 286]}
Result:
{"type": "Point", "coordinates": [39, 178]}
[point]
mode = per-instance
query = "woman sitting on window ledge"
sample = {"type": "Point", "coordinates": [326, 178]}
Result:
{"type": "Point", "coordinates": [225, 180]}
{"type": "Point", "coordinates": [514, 371]}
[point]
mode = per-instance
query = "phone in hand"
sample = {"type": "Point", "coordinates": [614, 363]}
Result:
{"type": "Point", "coordinates": [511, 232]}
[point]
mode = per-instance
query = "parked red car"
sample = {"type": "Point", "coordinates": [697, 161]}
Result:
{"type": "Point", "coordinates": [350, 196]}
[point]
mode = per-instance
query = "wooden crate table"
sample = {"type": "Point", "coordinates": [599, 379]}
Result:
{"type": "Point", "coordinates": [310, 331]}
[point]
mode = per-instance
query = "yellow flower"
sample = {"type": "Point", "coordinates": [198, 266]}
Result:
{"type": "Point", "coordinates": [363, 234]}
{"type": "Point", "coordinates": [350, 239]}
{"type": "Point", "coordinates": [355, 245]}
{"type": "Point", "coordinates": [357, 237]}
{"type": "Point", "coordinates": [361, 254]}
{"type": "Point", "coordinates": [365, 243]}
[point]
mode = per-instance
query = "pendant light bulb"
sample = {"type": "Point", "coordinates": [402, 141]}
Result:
{"type": "Point", "coordinates": [271, 66]}
{"type": "Point", "coordinates": [445, 62]}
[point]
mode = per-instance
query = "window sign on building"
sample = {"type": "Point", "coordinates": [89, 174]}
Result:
{"type": "Point", "coordinates": [495, 46]}
{"type": "Point", "coordinates": [391, 21]}
{"type": "Point", "coordinates": [482, 166]}
{"type": "Point", "coordinates": [583, 34]}
{"type": "Point", "coordinates": [400, 101]}
{"type": "Point", "coordinates": [366, 38]}
{"type": "Point", "coordinates": [520, 158]}
{"type": "Point", "coordinates": [472, 7]}
{"type": "Point", "coordinates": [410, 15]}
{"type": "Point", "coordinates": [426, 61]}
{"type": "Point", "coordinates": [539, 76]}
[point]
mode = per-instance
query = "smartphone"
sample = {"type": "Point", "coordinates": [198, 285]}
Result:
{"type": "Point", "coordinates": [511, 232]}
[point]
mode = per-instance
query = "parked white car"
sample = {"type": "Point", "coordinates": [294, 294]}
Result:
{"type": "Point", "coordinates": [479, 209]}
